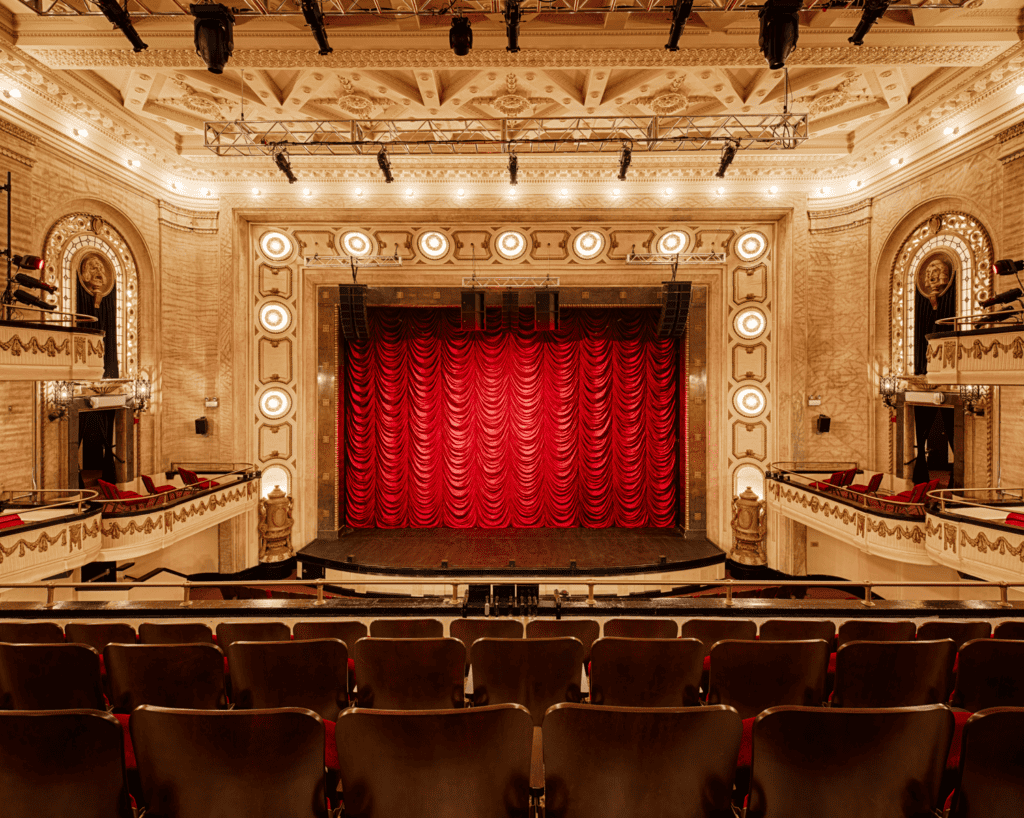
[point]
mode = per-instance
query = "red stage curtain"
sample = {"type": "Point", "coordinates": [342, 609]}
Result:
{"type": "Point", "coordinates": [511, 428]}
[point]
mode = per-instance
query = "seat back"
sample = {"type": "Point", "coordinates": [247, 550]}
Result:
{"type": "Point", "coordinates": [429, 764]}
{"type": "Point", "coordinates": [100, 634]}
{"type": "Point", "coordinates": [348, 631]}
{"type": "Point", "coordinates": [646, 672]}
{"type": "Point", "coordinates": [991, 760]}
{"type": "Point", "coordinates": [175, 633]}
{"type": "Point", "coordinates": [816, 762]}
{"type": "Point", "coordinates": [230, 763]}
{"type": "Point", "coordinates": [410, 674]}
{"type": "Point", "coordinates": [790, 630]}
{"type": "Point", "coordinates": [1009, 630]}
{"type": "Point", "coordinates": [165, 676]}
{"type": "Point", "coordinates": [536, 673]}
{"type": "Point", "coordinates": [228, 632]}
{"type": "Point", "coordinates": [50, 677]}
{"type": "Point", "coordinates": [109, 490]}
{"type": "Point", "coordinates": [990, 673]}
{"type": "Point", "coordinates": [870, 630]}
{"type": "Point", "coordinates": [586, 631]}
{"type": "Point", "coordinates": [311, 674]}
{"type": "Point", "coordinates": [710, 631]}
{"type": "Point", "coordinates": [678, 761]}
{"type": "Point", "coordinates": [918, 492]}
{"type": "Point", "coordinates": [34, 633]}
{"type": "Point", "coordinates": [642, 628]}
{"type": "Point", "coordinates": [406, 629]}
{"type": "Point", "coordinates": [848, 477]}
{"type": "Point", "coordinates": [66, 762]}
{"type": "Point", "coordinates": [874, 482]}
{"type": "Point", "coordinates": [894, 674]}
{"type": "Point", "coordinates": [468, 631]}
{"type": "Point", "coordinates": [753, 676]}
{"type": "Point", "coordinates": [959, 632]}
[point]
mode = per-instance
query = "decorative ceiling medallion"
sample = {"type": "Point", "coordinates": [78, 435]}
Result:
{"type": "Point", "coordinates": [511, 244]}
{"type": "Point", "coordinates": [204, 105]}
{"type": "Point", "coordinates": [673, 242]}
{"type": "Point", "coordinates": [750, 323]}
{"type": "Point", "coordinates": [513, 102]}
{"type": "Point", "coordinates": [433, 244]}
{"type": "Point", "coordinates": [275, 403]}
{"type": "Point", "coordinates": [354, 101]}
{"type": "Point", "coordinates": [276, 246]}
{"type": "Point", "coordinates": [751, 245]}
{"type": "Point", "coordinates": [588, 244]}
{"type": "Point", "coordinates": [827, 101]}
{"type": "Point", "coordinates": [274, 476]}
{"type": "Point", "coordinates": [749, 401]}
{"type": "Point", "coordinates": [670, 98]}
{"type": "Point", "coordinates": [275, 317]}
{"type": "Point", "coordinates": [356, 243]}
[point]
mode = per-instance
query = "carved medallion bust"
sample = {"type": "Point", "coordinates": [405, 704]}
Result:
{"type": "Point", "coordinates": [934, 277]}
{"type": "Point", "coordinates": [96, 275]}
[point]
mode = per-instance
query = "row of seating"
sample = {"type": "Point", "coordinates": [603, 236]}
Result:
{"type": "Point", "coordinates": [191, 482]}
{"type": "Point", "coordinates": [626, 762]}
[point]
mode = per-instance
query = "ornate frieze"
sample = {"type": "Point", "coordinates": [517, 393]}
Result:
{"type": "Point", "coordinates": [976, 548]}
{"type": "Point", "coordinates": [30, 354]}
{"type": "Point", "coordinates": [29, 556]}
{"type": "Point", "coordinates": [981, 359]}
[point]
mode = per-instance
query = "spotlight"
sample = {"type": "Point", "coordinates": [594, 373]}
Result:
{"type": "Point", "coordinates": [81, 133]}
{"type": "Point", "coordinates": [564, 191]}
{"type": "Point", "coordinates": [315, 20]}
{"type": "Point", "coordinates": [624, 160]}
{"type": "Point", "coordinates": [460, 192]}
{"type": "Point", "coordinates": [512, 18]}
{"type": "Point", "coordinates": [119, 17]}
{"type": "Point", "coordinates": [214, 34]}
{"type": "Point", "coordinates": [720, 191]}
{"type": "Point", "coordinates": [460, 38]}
{"type": "Point", "coordinates": [204, 191]}
{"type": "Point", "coordinates": [28, 262]}
{"type": "Point", "coordinates": [15, 93]}
{"type": "Point", "coordinates": [780, 28]}
{"type": "Point", "coordinates": [513, 169]}
{"type": "Point", "coordinates": [668, 191]}
{"type": "Point", "coordinates": [284, 164]}
{"type": "Point", "coordinates": [728, 154]}
{"type": "Point", "coordinates": [680, 14]}
{"type": "Point", "coordinates": [385, 164]}
{"type": "Point", "coordinates": [34, 283]}
{"type": "Point", "coordinates": [873, 11]}
{"type": "Point", "coordinates": [1007, 267]}
{"type": "Point", "coordinates": [32, 301]}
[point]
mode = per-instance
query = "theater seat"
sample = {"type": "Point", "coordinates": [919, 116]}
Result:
{"type": "Point", "coordinates": [835, 481]}
{"type": "Point", "coordinates": [468, 631]}
{"type": "Point", "coordinates": [100, 634]}
{"type": "Point", "coordinates": [586, 630]}
{"type": "Point", "coordinates": [50, 677]}
{"type": "Point", "coordinates": [871, 486]}
{"type": "Point", "coordinates": [873, 630]}
{"type": "Point", "coordinates": [165, 675]}
{"type": "Point", "coordinates": [788, 630]}
{"type": "Point", "coordinates": [174, 633]}
{"type": "Point", "coordinates": [9, 520]}
{"type": "Point", "coordinates": [348, 631]}
{"type": "Point", "coordinates": [152, 488]}
{"type": "Point", "coordinates": [894, 674]}
{"type": "Point", "coordinates": [991, 765]}
{"type": "Point", "coordinates": [410, 674]}
{"type": "Point", "coordinates": [228, 632]}
{"type": "Point", "coordinates": [36, 633]}
{"type": "Point", "coordinates": [1015, 518]}
{"type": "Point", "coordinates": [710, 631]}
{"type": "Point", "coordinates": [190, 478]}
{"type": "Point", "coordinates": [112, 492]}
{"type": "Point", "coordinates": [959, 632]}
{"type": "Point", "coordinates": [650, 628]}
{"type": "Point", "coordinates": [646, 672]}
{"type": "Point", "coordinates": [1009, 630]}
{"type": "Point", "coordinates": [990, 673]}
{"type": "Point", "coordinates": [406, 629]}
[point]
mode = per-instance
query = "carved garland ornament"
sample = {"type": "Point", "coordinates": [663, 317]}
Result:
{"type": "Point", "coordinates": [1002, 545]}
{"type": "Point", "coordinates": [51, 349]}
{"type": "Point", "coordinates": [816, 506]}
{"type": "Point", "coordinates": [915, 535]}
{"type": "Point", "coordinates": [41, 544]}
{"type": "Point", "coordinates": [114, 531]}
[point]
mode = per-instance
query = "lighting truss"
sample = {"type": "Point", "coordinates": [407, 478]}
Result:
{"type": "Point", "coordinates": [596, 134]}
{"type": "Point", "coordinates": [332, 262]}
{"type": "Point", "coordinates": [675, 258]}
{"type": "Point", "coordinates": [510, 282]}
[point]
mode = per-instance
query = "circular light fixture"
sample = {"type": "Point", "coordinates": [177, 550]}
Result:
{"type": "Point", "coordinates": [894, 161]}
{"type": "Point", "coordinates": [750, 323]}
{"type": "Point", "coordinates": [356, 243]}
{"type": "Point", "coordinates": [564, 191]}
{"type": "Point", "coordinates": [615, 192]}
{"type": "Point", "coordinates": [773, 190]}
{"type": "Point", "coordinates": [274, 476]}
{"type": "Point", "coordinates": [434, 244]}
{"type": "Point", "coordinates": [275, 317]}
{"type": "Point", "coordinates": [1020, 90]}
{"type": "Point", "coordinates": [720, 191]}
{"type": "Point", "coordinates": [751, 246]}
{"type": "Point", "coordinates": [276, 246]}
{"type": "Point", "coordinates": [256, 191]}
{"type": "Point", "coordinates": [204, 191]}
{"type": "Point", "coordinates": [275, 403]}
{"type": "Point", "coordinates": [588, 244]}
{"type": "Point", "coordinates": [511, 244]}
{"type": "Point", "coordinates": [81, 133]}
{"type": "Point", "coordinates": [460, 192]}
{"type": "Point", "coordinates": [409, 192]}
{"type": "Point", "coordinates": [949, 130]}
{"type": "Point", "coordinates": [359, 191]}
{"type": "Point", "coordinates": [673, 242]}
{"type": "Point", "coordinates": [511, 191]}
{"type": "Point", "coordinates": [15, 93]}
{"type": "Point", "coordinates": [825, 191]}
{"type": "Point", "coordinates": [749, 401]}
{"type": "Point", "coordinates": [175, 185]}
{"type": "Point", "coordinates": [307, 192]}
{"type": "Point", "coordinates": [668, 191]}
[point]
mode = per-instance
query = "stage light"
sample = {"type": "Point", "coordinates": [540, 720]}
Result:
{"type": "Point", "coordinates": [284, 165]}
{"type": "Point", "coordinates": [513, 169]}
{"type": "Point", "coordinates": [32, 301]}
{"type": "Point", "coordinates": [512, 18]}
{"type": "Point", "coordinates": [307, 192]}
{"type": "Point", "coordinates": [668, 191]}
{"type": "Point", "coordinates": [873, 11]}
{"type": "Point", "coordinates": [460, 37]}
{"type": "Point", "coordinates": [720, 191]}
{"type": "Point", "coordinates": [119, 17]}
{"type": "Point", "coordinates": [680, 14]}
{"type": "Point", "coordinates": [315, 20]}
{"type": "Point", "coordinates": [1007, 267]}
{"type": "Point", "coordinates": [256, 191]}
{"type": "Point", "coordinates": [28, 262]}
{"type": "Point", "coordinates": [1020, 90]}
{"type": "Point", "coordinates": [615, 192]}
{"type": "Point", "coordinates": [895, 161]}
{"type": "Point", "coordinates": [624, 159]}
{"type": "Point", "coordinates": [949, 130]}
{"type": "Point", "coordinates": [410, 192]}
{"type": "Point", "coordinates": [15, 93]}
{"type": "Point", "coordinates": [511, 191]}
{"type": "Point", "coordinates": [564, 192]}
{"type": "Point", "coordinates": [728, 154]}
{"type": "Point", "coordinates": [385, 164]}
{"type": "Point", "coordinates": [214, 35]}
{"type": "Point", "coordinates": [780, 29]}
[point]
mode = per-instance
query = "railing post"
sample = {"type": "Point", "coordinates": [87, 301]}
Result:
{"type": "Point", "coordinates": [1004, 598]}
{"type": "Point", "coordinates": [867, 595]}
{"type": "Point", "coordinates": [187, 599]}
{"type": "Point", "coordinates": [455, 593]}
{"type": "Point", "coordinates": [319, 593]}
{"type": "Point", "coordinates": [590, 593]}
{"type": "Point", "coordinates": [51, 592]}
{"type": "Point", "coordinates": [728, 592]}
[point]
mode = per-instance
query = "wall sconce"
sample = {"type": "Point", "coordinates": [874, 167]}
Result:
{"type": "Point", "coordinates": [141, 392]}
{"type": "Point", "coordinates": [63, 395]}
{"type": "Point", "coordinates": [888, 387]}
{"type": "Point", "coordinates": [973, 396]}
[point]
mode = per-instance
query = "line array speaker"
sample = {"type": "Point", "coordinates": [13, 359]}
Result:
{"type": "Point", "coordinates": [352, 312]}
{"type": "Point", "coordinates": [675, 305]}
{"type": "Point", "coordinates": [545, 316]}
{"type": "Point", "coordinates": [509, 310]}
{"type": "Point", "coordinates": [474, 313]}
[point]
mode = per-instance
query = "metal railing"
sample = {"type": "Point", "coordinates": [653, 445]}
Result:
{"type": "Point", "coordinates": [810, 472]}
{"type": "Point", "coordinates": [72, 319]}
{"type": "Point", "coordinates": [990, 497]}
{"type": "Point", "coordinates": [1008, 318]}
{"type": "Point", "coordinates": [239, 472]}
{"type": "Point", "coordinates": [35, 499]}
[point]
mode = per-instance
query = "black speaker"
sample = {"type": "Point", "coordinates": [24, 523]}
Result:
{"type": "Point", "coordinates": [474, 314]}
{"type": "Point", "coordinates": [675, 306]}
{"type": "Point", "coordinates": [545, 315]}
{"type": "Point", "coordinates": [352, 312]}
{"type": "Point", "coordinates": [510, 310]}
{"type": "Point", "coordinates": [824, 423]}
{"type": "Point", "coordinates": [202, 425]}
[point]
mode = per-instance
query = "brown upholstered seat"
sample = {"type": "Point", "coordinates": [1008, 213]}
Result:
{"type": "Point", "coordinates": [1009, 630]}
{"type": "Point", "coordinates": [468, 631]}
{"type": "Point", "coordinates": [31, 633]}
{"type": "Point", "coordinates": [990, 673]}
{"type": "Point", "coordinates": [230, 763]}
{"type": "Point", "coordinates": [586, 630]}
{"type": "Point", "coordinates": [753, 676]}
{"type": "Point", "coordinates": [100, 634]}
{"type": "Point", "coordinates": [228, 632]}
{"type": "Point", "coordinates": [959, 632]}
{"type": "Point", "coordinates": [536, 673]}
{"type": "Point", "coordinates": [791, 630]}
{"type": "Point", "coordinates": [304, 673]}
{"type": "Point", "coordinates": [49, 677]}
{"type": "Point", "coordinates": [991, 766]}
{"type": "Point", "coordinates": [410, 674]}
{"type": "Point", "coordinates": [427, 764]}
{"type": "Point", "coordinates": [406, 629]}
{"type": "Point", "coordinates": [710, 631]}
{"type": "Point", "coordinates": [646, 672]}
{"type": "Point", "coordinates": [651, 628]}
{"type": "Point", "coordinates": [894, 674]}
{"type": "Point", "coordinates": [165, 675]}
{"type": "Point", "coordinates": [634, 763]}
{"type": "Point", "coordinates": [174, 633]}
{"type": "Point", "coordinates": [811, 762]}
{"type": "Point", "coordinates": [870, 630]}
{"type": "Point", "coordinates": [348, 631]}
{"type": "Point", "coordinates": [62, 763]}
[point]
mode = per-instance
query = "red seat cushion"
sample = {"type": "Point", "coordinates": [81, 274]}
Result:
{"type": "Point", "coordinates": [832, 664]}
{"type": "Point", "coordinates": [9, 520]}
{"type": "Point", "coordinates": [707, 664]}
{"type": "Point", "coordinates": [746, 743]}
{"type": "Point", "coordinates": [330, 747]}
{"type": "Point", "coordinates": [953, 760]}
{"type": "Point", "coordinates": [129, 751]}
{"type": "Point", "coordinates": [1015, 518]}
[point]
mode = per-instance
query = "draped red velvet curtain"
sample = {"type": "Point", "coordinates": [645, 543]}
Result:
{"type": "Point", "coordinates": [511, 428]}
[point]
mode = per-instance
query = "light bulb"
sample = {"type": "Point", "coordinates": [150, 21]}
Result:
{"type": "Point", "coordinates": [255, 191]}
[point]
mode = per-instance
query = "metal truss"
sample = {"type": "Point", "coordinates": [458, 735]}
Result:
{"type": "Point", "coordinates": [331, 262]}
{"type": "Point", "coordinates": [510, 282]}
{"type": "Point", "coordinates": [675, 258]}
{"type": "Point", "coordinates": [348, 137]}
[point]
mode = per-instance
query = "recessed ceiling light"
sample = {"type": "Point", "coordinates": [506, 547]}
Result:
{"type": "Point", "coordinates": [13, 93]}
{"type": "Point", "coordinates": [307, 192]}
{"type": "Point", "coordinates": [720, 191]}
{"type": "Point", "coordinates": [615, 192]}
{"type": "Point", "coordinates": [256, 191]}
{"type": "Point", "coordinates": [855, 183]}
{"type": "Point", "coordinates": [564, 191]}
{"type": "Point", "coordinates": [511, 191]}
{"type": "Point", "coordinates": [134, 163]}
{"type": "Point", "coordinates": [668, 191]}
{"type": "Point", "coordinates": [773, 190]}
{"type": "Point", "coordinates": [949, 130]}
{"type": "Point", "coordinates": [894, 161]}
{"type": "Point", "coordinates": [176, 185]}
{"type": "Point", "coordinates": [408, 191]}
{"type": "Point", "coordinates": [359, 191]}
{"type": "Point", "coordinates": [204, 191]}
{"type": "Point", "coordinates": [824, 190]}
{"type": "Point", "coordinates": [1020, 90]}
{"type": "Point", "coordinates": [81, 133]}
{"type": "Point", "coordinates": [460, 192]}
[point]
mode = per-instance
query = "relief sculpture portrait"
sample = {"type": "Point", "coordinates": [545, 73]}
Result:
{"type": "Point", "coordinates": [934, 277]}
{"type": "Point", "coordinates": [96, 276]}
{"type": "Point", "coordinates": [96, 295]}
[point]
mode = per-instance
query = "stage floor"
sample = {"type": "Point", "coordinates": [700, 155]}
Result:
{"type": "Point", "coordinates": [535, 551]}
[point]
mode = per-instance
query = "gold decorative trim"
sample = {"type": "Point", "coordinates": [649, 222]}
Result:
{"type": "Point", "coordinates": [17, 132]}
{"type": "Point", "coordinates": [816, 505]}
{"type": "Point", "coordinates": [949, 537]}
{"type": "Point", "coordinates": [80, 531]}
{"type": "Point", "coordinates": [1002, 545]}
{"type": "Point", "coordinates": [50, 348]}
{"type": "Point", "coordinates": [914, 535]}
{"type": "Point", "coordinates": [20, 158]}
{"type": "Point", "coordinates": [115, 531]}
{"type": "Point", "coordinates": [41, 544]}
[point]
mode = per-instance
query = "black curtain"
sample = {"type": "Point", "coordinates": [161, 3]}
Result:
{"type": "Point", "coordinates": [107, 321]}
{"type": "Point", "coordinates": [96, 437]}
{"type": "Point", "coordinates": [924, 417]}
{"type": "Point", "coordinates": [924, 322]}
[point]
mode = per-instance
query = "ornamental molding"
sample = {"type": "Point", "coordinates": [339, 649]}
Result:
{"type": "Point", "coordinates": [184, 96]}
{"type": "Point", "coordinates": [1011, 133]}
{"type": "Point", "coordinates": [81, 531]}
{"type": "Point", "coordinates": [17, 132]}
{"type": "Point", "coordinates": [354, 101]}
{"type": "Point", "coordinates": [814, 504]}
{"type": "Point", "coordinates": [915, 535]}
{"type": "Point", "coordinates": [20, 158]}
{"type": "Point", "coordinates": [671, 98]}
{"type": "Point", "coordinates": [847, 92]}
{"type": "Point", "coordinates": [1002, 546]}
{"type": "Point", "coordinates": [976, 350]}
{"type": "Point", "coordinates": [114, 530]}
{"type": "Point", "coordinates": [41, 544]}
{"type": "Point", "coordinates": [839, 211]}
{"type": "Point", "coordinates": [15, 346]}
{"type": "Point", "coordinates": [949, 537]}
{"type": "Point", "coordinates": [513, 102]}
{"type": "Point", "coordinates": [839, 228]}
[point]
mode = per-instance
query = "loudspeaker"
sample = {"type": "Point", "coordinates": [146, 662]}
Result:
{"type": "Point", "coordinates": [352, 312]}
{"type": "Point", "coordinates": [474, 314]}
{"type": "Point", "coordinates": [675, 306]}
{"type": "Point", "coordinates": [509, 310]}
{"type": "Point", "coordinates": [202, 426]}
{"type": "Point", "coordinates": [824, 423]}
{"type": "Point", "coordinates": [545, 315]}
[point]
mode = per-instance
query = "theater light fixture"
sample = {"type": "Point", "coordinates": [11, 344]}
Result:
{"type": "Point", "coordinates": [32, 301]}
{"type": "Point", "coordinates": [119, 17]}
{"type": "Point", "coordinates": [134, 164]}
{"type": "Point", "coordinates": [358, 191]}
{"type": "Point", "coordinates": [284, 164]}
{"type": "Point", "coordinates": [315, 20]}
{"type": "Point", "coordinates": [513, 168]}
{"type": "Point", "coordinates": [973, 395]}
{"type": "Point", "coordinates": [513, 15]}
{"type": "Point", "coordinates": [780, 28]}
{"type": "Point", "coordinates": [773, 190]}
{"type": "Point", "coordinates": [385, 164]}
{"type": "Point", "coordinates": [668, 191]}
{"type": "Point", "coordinates": [680, 14]}
{"type": "Point", "coordinates": [15, 93]}
{"type": "Point", "coordinates": [873, 11]}
{"type": "Point", "coordinates": [1003, 267]}
{"type": "Point", "coordinates": [460, 192]}
{"type": "Point", "coordinates": [624, 159]}
{"type": "Point", "coordinates": [81, 133]}
{"type": "Point", "coordinates": [728, 154]}
{"type": "Point", "coordinates": [460, 36]}
{"type": "Point", "coordinates": [139, 393]}
{"type": "Point", "coordinates": [28, 263]}
{"type": "Point", "coordinates": [256, 191]}
{"type": "Point", "coordinates": [62, 397]}
{"type": "Point", "coordinates": [214, 34]}
{"type": "Point", "coordinates": [888, 386]}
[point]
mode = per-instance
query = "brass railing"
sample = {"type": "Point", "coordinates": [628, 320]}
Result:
{"type": "Point", "coordinates": [803, 474]}
{"type": "Point", "coordinates": [165, 499]}
{"type": "Point", "coordinates": [34, 499]}
{"type": "Point", "coordinates": [997, 500]}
